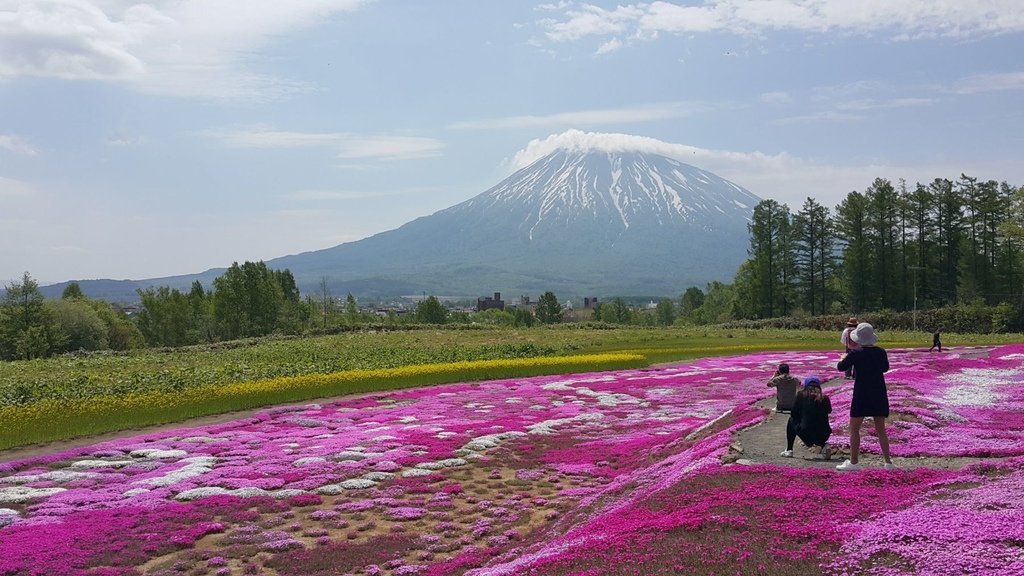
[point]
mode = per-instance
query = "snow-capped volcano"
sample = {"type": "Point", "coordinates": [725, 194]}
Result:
{"type": "Point", "coordinates": [583, 215]}
{"type": "Point", "coordinates": [619, 189]}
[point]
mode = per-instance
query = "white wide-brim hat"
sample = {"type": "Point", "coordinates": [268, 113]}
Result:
{"type": "Point", "coordinates": [864, 334]}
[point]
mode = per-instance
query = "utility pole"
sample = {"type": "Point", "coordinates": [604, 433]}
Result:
{"type": "Point", "coordinates": [915, 269]}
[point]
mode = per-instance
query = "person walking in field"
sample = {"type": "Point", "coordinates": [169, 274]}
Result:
{"type": "Point", "coordinates": [809, 419]}
{"type": "Point", "coordinates": [785, 388]}
{"type": "Point", "coordinates": [870, 397]}
{"type": "Point", "coordinates": [936, 342]}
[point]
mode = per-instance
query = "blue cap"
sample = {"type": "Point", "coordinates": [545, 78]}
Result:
{"type": "Point", "coordinates": [812, 381]}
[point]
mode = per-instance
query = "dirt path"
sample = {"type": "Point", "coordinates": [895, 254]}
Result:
{"type": "Point", "coordinates": [761, 444]}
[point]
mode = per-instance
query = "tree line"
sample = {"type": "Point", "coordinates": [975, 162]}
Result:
{"type": "Point", "coordinates": [889, 247]}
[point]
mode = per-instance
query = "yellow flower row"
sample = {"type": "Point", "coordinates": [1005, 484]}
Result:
{"type": "Point", "coordinates": [49, 420]}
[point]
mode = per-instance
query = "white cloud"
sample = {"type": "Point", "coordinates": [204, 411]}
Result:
{"type": "Point", "coordinates": [610, 46]}
{"type": "Point", "coordinates": [349, 146]}
{"type": "Point", "coordinates": [871, 104]}
{"type": "Point", "coordinates": [650, 113]}
{"type": "Point", "coordinates": [314, 195]}
{"type": "Point", "coordinates": [16, 145]}
{"type": "Point", "coordinates": [11, 188]}
{"type": "Point", "coordinates": [825, 116]}
{"type": "Point", "coordinates": [390, 147]}
{"type": "Point", "coordinates": [903, 19]}
{"type": "Point", "coordinates": [990, 83]}
{"type": "Point", "coordinates": [189, 48]}
{"type": "Point", "coordinates": [777, 97]}
{"type": "Point", "coordinates": [261, 137]}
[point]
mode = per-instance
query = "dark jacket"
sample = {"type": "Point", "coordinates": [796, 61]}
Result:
{"type": "Point", "coordinates": [810, 418]}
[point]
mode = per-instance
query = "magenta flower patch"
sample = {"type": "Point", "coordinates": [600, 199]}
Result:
{"type": "Point", "coordinates": [604, 473]}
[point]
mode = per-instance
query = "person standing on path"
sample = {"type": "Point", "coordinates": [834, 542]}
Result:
{"type": "Point", "coordinates": [870, 397]}
{"type": "Point", "coordinates": [809, 419]}
{"type": "Point", "coordinates": [936, 342]}
{"type": "Point", "coordinates": [785, 386]}
{"type": "Point", "coordinates": [845, 340]}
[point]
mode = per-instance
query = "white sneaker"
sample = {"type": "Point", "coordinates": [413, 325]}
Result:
{"type": "Point", "coordinates": [786, 453]}
{"type": "Point", "coordinates": [848, 466]}
{"type": "Point", "coordinates": [890, 466]}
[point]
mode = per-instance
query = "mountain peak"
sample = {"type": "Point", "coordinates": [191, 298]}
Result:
{"type": "Point", "coordinates": [574, 141]}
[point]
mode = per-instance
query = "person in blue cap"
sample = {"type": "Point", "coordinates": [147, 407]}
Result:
{"type": "Point", "coordinates": [809, 419]}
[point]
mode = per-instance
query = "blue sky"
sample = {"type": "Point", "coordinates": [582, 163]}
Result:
{"type": "Point", "coordinates": [144, 140]}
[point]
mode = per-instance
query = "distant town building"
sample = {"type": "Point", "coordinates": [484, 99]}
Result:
{"type": "Point", "coordinates": [488, 303]}
{"type": "Point", "coordinates": [590, 302]}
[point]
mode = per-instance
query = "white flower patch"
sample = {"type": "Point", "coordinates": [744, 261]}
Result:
{"type": "Point", "coordinates": [407, 419]}
{"type": "Point", "coordinates": [52, 476]}
{"type": "Point", "coordinates": [978, 386]}
{"type": "Point", "coordinates": [970, 396]}
{"type": "Point", "coordinates": [309, 460]}
{"type": "Point", "coordinates": [513, 400]}
{"type": "Point", "coordinates": [547, 427]}
{"type": "Point", "coordinates": [946, 414]}
{"type": "Point", "coordinates": [414, 472]}
{"type": "Point", "coordinates": [383, 437]}
{"type": "Point", "coordinates": [100, 463]}
{"type": "Point", "coordinates": [538, 407]}
{"type": "Point", "coordinates": [204, 440]}
{"type": "Point", "coordinates": [134, 492]}
{"type": "Point", "coordinates": [443, 435]}
{"type": "Point", "coordinates": [439, 464]}
{"type": "Point", "coordinates": [351, 484]}
{"type": "Point", "coordinates": [1016, 356]}
{"type": "Point", "coordinates": [8, 516]}
{"type": "Point", "coordinates": [157, 453]}
{"type": "Point", "coordinates": [481, 443]}
{"type": "Point", "coordinates": [197, 466]}
{"type": "Point", "coordinates": [196, 493]}
{"type": "Point", "coordinates": [608, 398]}
{"type": "Point", "coordinates": [378, 476]}
{"type": "Point", "coordinates": [661, 392]}
{"type": "Point", "coordinates": [19, 494]}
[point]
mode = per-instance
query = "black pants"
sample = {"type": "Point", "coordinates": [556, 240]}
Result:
{"type": "Point", "coordinates": [792, 433]}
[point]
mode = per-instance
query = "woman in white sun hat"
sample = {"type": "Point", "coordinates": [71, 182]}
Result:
{"type": "Point", "coordinates": [870, 397]}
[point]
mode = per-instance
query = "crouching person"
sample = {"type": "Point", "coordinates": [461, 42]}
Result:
{"type": "Point", "coordinates": [809, 419]}
{"type": "Point", "coordinates": [785, 386]}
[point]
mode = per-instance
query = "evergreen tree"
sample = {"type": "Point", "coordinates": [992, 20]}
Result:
{"type": "Point", "coordinates": [881, 233]}
{"type": "Point", "coordinates": [813, 261]}
{"type": "Point", "coordinates": [665, 313]}
{"type": "Point", "coordinates": [431, 311]}
{"type": "Point", "coordinates": [549, 310]}
{"type": "Point", "coordinates": [26, 327]}
{"type": "Point", "coordinates": [850, 235]}
{"type": "Point", "coordinates": [72, 291]}
{"type": "Point", "coordinates": [949, 231]}
{"type": "Point", "coordinates": [771, 259]}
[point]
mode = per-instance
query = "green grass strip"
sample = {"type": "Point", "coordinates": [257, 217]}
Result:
{"type": "Point", "coordinates": [60, 419]}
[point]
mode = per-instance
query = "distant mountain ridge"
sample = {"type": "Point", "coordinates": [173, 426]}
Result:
{"type": "Point", "coordinates": [576, 222]}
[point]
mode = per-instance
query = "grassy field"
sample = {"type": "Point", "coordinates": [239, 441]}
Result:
{"type": "Point", "coordinates": [89, 394]}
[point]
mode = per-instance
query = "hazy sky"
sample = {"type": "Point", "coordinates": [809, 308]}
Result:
{"type": "Point", "coordinates": [144, 140]}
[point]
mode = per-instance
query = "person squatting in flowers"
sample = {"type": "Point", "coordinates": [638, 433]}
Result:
{"type": "Point", "coordinates": [809, 419]}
